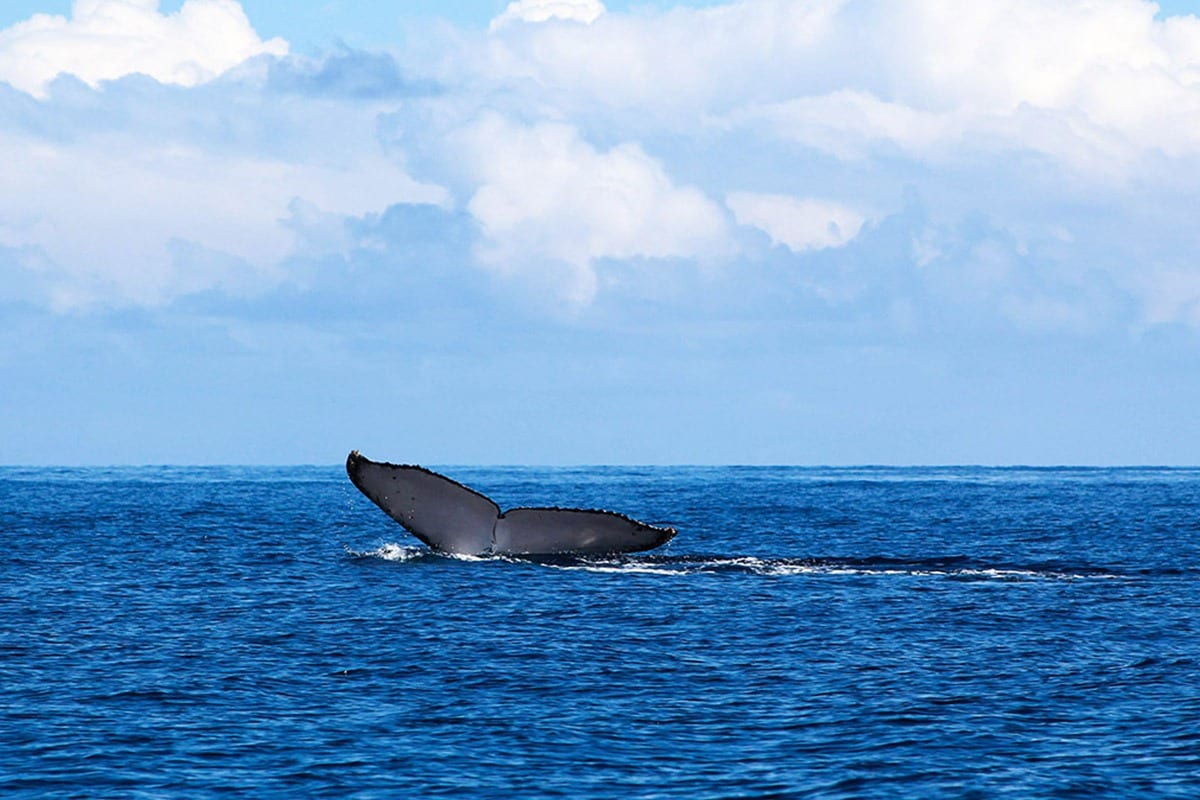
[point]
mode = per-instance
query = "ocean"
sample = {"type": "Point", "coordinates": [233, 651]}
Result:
{"type": "Point", "coordinates": [176, 632]}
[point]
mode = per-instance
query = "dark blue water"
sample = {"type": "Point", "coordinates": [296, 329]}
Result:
{"type": "Point", "coordinates": [178, 632]}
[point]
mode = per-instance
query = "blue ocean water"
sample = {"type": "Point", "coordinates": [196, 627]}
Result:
{"type": "Point", "coordinates": [827, 633]}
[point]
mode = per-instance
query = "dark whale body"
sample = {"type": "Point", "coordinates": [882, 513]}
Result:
{"type": "Point", "coordinates": [452, 518]}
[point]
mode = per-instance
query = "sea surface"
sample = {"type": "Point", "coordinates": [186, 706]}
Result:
{"type": "Point", "coordinates": [173, 632]}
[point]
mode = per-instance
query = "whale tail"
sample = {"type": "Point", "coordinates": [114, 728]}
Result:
{"type": "Point", "coordinates": [453, 518]}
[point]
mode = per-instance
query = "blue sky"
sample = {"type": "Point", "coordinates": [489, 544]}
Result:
{"type": "Point", "coordinates": [564, 231]}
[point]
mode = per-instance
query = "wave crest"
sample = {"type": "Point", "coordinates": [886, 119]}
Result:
{"type": "Point", "coordinates": [951, 567]}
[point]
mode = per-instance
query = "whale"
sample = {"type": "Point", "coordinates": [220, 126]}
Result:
{"type": "Point", "coordinates": [452, 518]}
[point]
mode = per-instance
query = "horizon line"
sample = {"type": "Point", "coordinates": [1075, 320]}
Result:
{"type": "Point", "coordinates": [610, 465]}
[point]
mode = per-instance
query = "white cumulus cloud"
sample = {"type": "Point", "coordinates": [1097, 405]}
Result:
{"type": "Point", "coordinates": [545, 196]}
{"type": "Point", "coordinates": [1029, 115]}
{"type": "Point", "coordinates": [173, 193]}
{"type": "Point", "coordinates": [106, 39]}
{"type": "Point", "coordinates": [1058, 77]}
{"type": "Point", "coordinates": [586, 11]}
{"type": "Point", "coordinates": [113, 223]}
{"type": "Point", "coordinates": [799, 223]}
{"type": "Point", "coordinates": [572, 138]}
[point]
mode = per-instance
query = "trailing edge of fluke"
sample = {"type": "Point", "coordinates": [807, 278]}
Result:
{"type": "Point", "coordinates": [452, 518]}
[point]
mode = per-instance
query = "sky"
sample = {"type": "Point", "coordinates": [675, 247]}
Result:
{"type": "Point", "coordinates": [577, 232]}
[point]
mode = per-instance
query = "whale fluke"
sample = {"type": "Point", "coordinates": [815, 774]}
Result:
{"type": "Point", "coordinates": [452, 518]}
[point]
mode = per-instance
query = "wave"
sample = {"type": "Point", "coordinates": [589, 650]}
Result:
{"type": "Point", "coordinates": [952, 567]}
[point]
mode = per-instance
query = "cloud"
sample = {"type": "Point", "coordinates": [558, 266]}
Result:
{"type": "Point", "coordinates": [118, 247]}
{"type": "Point", "coordinates": [608, 162]}
{"type": "Point", "coordinates": [924, 76]}
{"type": "Point", "coordinates": [798, 223]}
{"type": "Point", "coordinates": [141, 193]}
{"type": "Point", "coordinates": [106, 39]}
{"type": "Point", "coordinates": [408, 265]}
{"type": "Point", "coordinates": [852, 124]}
{"type": "Point", "coordinates": [1040, 117]}
{"type": "Point", "coordinates": [586, 11]}
{"type": "Point", "coordinates": [980, 276]}
{"type": "Point", "coordinates": [546, 198]}
{"type": "Point", "coordinates": [674, 65]}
